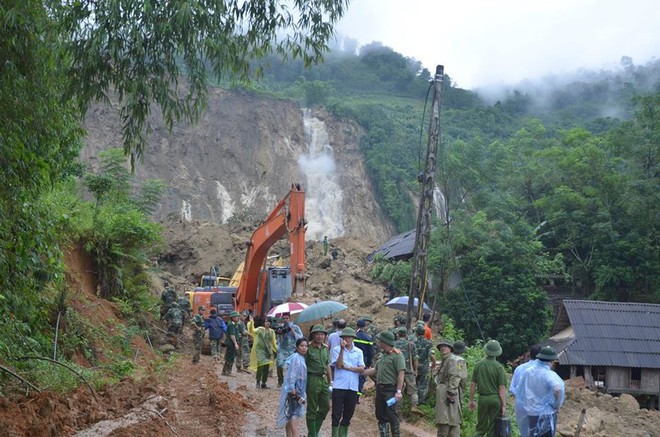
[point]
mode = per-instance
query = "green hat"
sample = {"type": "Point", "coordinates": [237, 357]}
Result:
{"type": "Point", "coordinates": [318, 328]}
{"type": "Point", "coordinates": [234, 314]}
{"type": "Point", "coordinates": [386, 337]}
{"type": "Point", "coordinates": [348, 332]}
{"type": "Point", "coordinates": [493, 348]}
{"type": "Point", "coordinates": [547, 354]}
{"type": "Point", "coordinates": [402, 330]}
{"type": "Point", "coordinates": [367, 319]}
{"type": "Point", "coordinates": [201, 308]}
{"type": "Point", "coordinates": [459, 347]}
{"type": "Point", "coordinates": [420, 329]}
{"type": "Point", "coordinates": [444, 343]}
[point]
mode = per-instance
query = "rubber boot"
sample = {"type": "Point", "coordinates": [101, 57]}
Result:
{"type": "Point", "coordinates": [396, 431]}
{"type": "Point", "coordinates": [335, 431]}
{"type": "Point", "coordinates": [312, 431]}
{"type": "Point", "coordinates": [343, 431]}
{"type": "Point", "coordinates": [384, 430]}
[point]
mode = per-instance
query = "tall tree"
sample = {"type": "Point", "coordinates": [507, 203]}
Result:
{"type": "Point", "coordinates": [139, 49]}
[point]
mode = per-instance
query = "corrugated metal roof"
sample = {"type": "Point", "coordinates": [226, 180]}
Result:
{"type": "Point", "coordinates": [619, 334]}
{"type": "Point", "coordinates": [401, 246]}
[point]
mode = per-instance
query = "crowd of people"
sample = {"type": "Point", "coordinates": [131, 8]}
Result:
{"type": "Point", "coordinates": [325, 372]}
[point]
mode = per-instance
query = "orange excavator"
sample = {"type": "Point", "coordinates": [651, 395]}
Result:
{"type": "Point", "coordinates": [260, 287]}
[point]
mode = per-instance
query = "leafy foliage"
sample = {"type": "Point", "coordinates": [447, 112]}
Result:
{"type": "Point", "coordinates": [140, 49]}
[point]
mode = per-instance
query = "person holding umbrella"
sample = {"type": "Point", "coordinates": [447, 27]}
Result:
{"type": "Point", "coordinates": [319, 381]}
{"type": "Point", "coordinates": [348, 362]}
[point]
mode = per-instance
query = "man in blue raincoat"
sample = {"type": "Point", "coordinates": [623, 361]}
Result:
{"type": "Point", "coordinates": [542, 392]}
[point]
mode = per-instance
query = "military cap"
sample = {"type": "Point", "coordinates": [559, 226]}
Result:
{"type": "Point", "coordinates": [386, 337]}
{"type": "Point", "coordinates": [234, 314]}
{"type": "Point", "coordinates": [444, 343]}
{"type": "Point", "coordinates": [459, 347]}
{"type": "Point", "coordinates": [348, 332]}
{"type": "Point", "coordinates": [493, 348]}
{"type": "Point", "coordinates": [547, 354]}
{"type": "Point", "coordinates": [367, 319]}
{"type": "Point", "coordinates": [318, 328]}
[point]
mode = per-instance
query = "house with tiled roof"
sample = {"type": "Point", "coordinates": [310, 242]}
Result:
{"type": "Point", "coordinates": [615, 346]}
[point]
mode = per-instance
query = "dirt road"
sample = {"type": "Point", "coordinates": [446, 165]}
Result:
{"type": "Point", "coordinates": [196, 399]}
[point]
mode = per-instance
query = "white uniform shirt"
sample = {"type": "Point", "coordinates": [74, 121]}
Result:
{"type": "Point", "coordinates": [345, 379]}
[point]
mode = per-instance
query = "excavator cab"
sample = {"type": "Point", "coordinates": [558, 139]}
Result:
{"type": "Point", "coordinates": [279, 285]}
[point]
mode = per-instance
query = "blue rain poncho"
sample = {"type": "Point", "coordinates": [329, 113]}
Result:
{"type": "Point", "coordinates": [540, 392]}
{"type": "Point", "coordinates": [286, 344]}
{"type": "Point", "coordinates": [295, 378]}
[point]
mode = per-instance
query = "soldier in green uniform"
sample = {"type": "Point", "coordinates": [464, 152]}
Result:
{"type": "Point", "coordinates": [231, 341]}
{"type": "Point", "coordinates": [409, 351]}
{"type": "Point", "coordinates": [426, 355]}
{"type": "Point", "coordinates": [489, 380]}
{"type": "Point", "coordinates": [243, 355]}
{"type": "Point", "coordinates": [184, 305]}
{"type": "Point", "coordinates": [319, 380]}
{"type": "Point", "coordinates": [168, 298]}
{"type": "Point", "coordinates": [373, 331]}
{"type": "Point", "coordinates": [198, 327]}
{"type": "Point", "coordinates": [174, 320]}
{"type": "Point", "coordinates": [390, 373]}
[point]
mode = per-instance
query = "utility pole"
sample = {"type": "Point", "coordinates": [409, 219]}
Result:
{"type": "Point", "coordinates": [426, 179]}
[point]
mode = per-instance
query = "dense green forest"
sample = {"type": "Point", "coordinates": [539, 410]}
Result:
{"type": "Point", "coordinates": [543, 184]}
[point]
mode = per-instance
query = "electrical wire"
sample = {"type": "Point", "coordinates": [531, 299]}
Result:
{"type": "Point", "coordinates": [467, 299]}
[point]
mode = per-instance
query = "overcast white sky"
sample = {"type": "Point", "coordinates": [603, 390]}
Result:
{"type": "Point", "coordinates": [502, 42]}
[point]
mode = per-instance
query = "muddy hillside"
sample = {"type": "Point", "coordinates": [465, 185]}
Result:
{"type": "Point", "coordinates": [242, 157]}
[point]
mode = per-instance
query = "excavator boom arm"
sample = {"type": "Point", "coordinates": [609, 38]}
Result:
{"type": "Point", "coordinates": [288, 217]}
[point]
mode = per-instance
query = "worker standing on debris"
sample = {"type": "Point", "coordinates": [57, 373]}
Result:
{"type": "Point", "coordinates": [542, 391]}
{"type": "Point", "coordinates": [184, 305]}
{"type": "Point", "coordinates": [174, 319]}
{"type": "Point", "coordinates": [326, 243]}
{"type": "Point", "coordinates": [198, 327]}
{"type": "Point", "coordinates": [231, 343]}
{"type": "Point", "coordinates": [167, 298]}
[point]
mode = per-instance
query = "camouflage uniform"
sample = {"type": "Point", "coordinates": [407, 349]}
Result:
{"type": "Point", "coordinates": [168, 298]}
{"type": "Point", "coordinates": [184, 306]}
{"type": "Point", "coordinates": [243, 353]}
{"type": "Point", "coordinates": [174, 319]}
{"type": "Point", "coordinates": [409, 351]}
{"type": "Point", "coordinates": [199, 328]}
{"type": "Point", "coordinates": [424, 351]}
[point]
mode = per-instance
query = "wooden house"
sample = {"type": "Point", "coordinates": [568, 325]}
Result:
{"type": "Point", "coordinates": [615, 346]}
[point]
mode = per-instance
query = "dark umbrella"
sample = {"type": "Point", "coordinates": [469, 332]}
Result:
{"type": "Point", "coordinates": [401, 303]}
{"type": "Point", "coordinates": [320, 310]}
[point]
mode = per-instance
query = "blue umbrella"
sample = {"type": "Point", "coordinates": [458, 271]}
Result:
{"type": "Point", "coordinates": [401, 303]}
{"type": "Point", "coordinates": [320, 310]}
